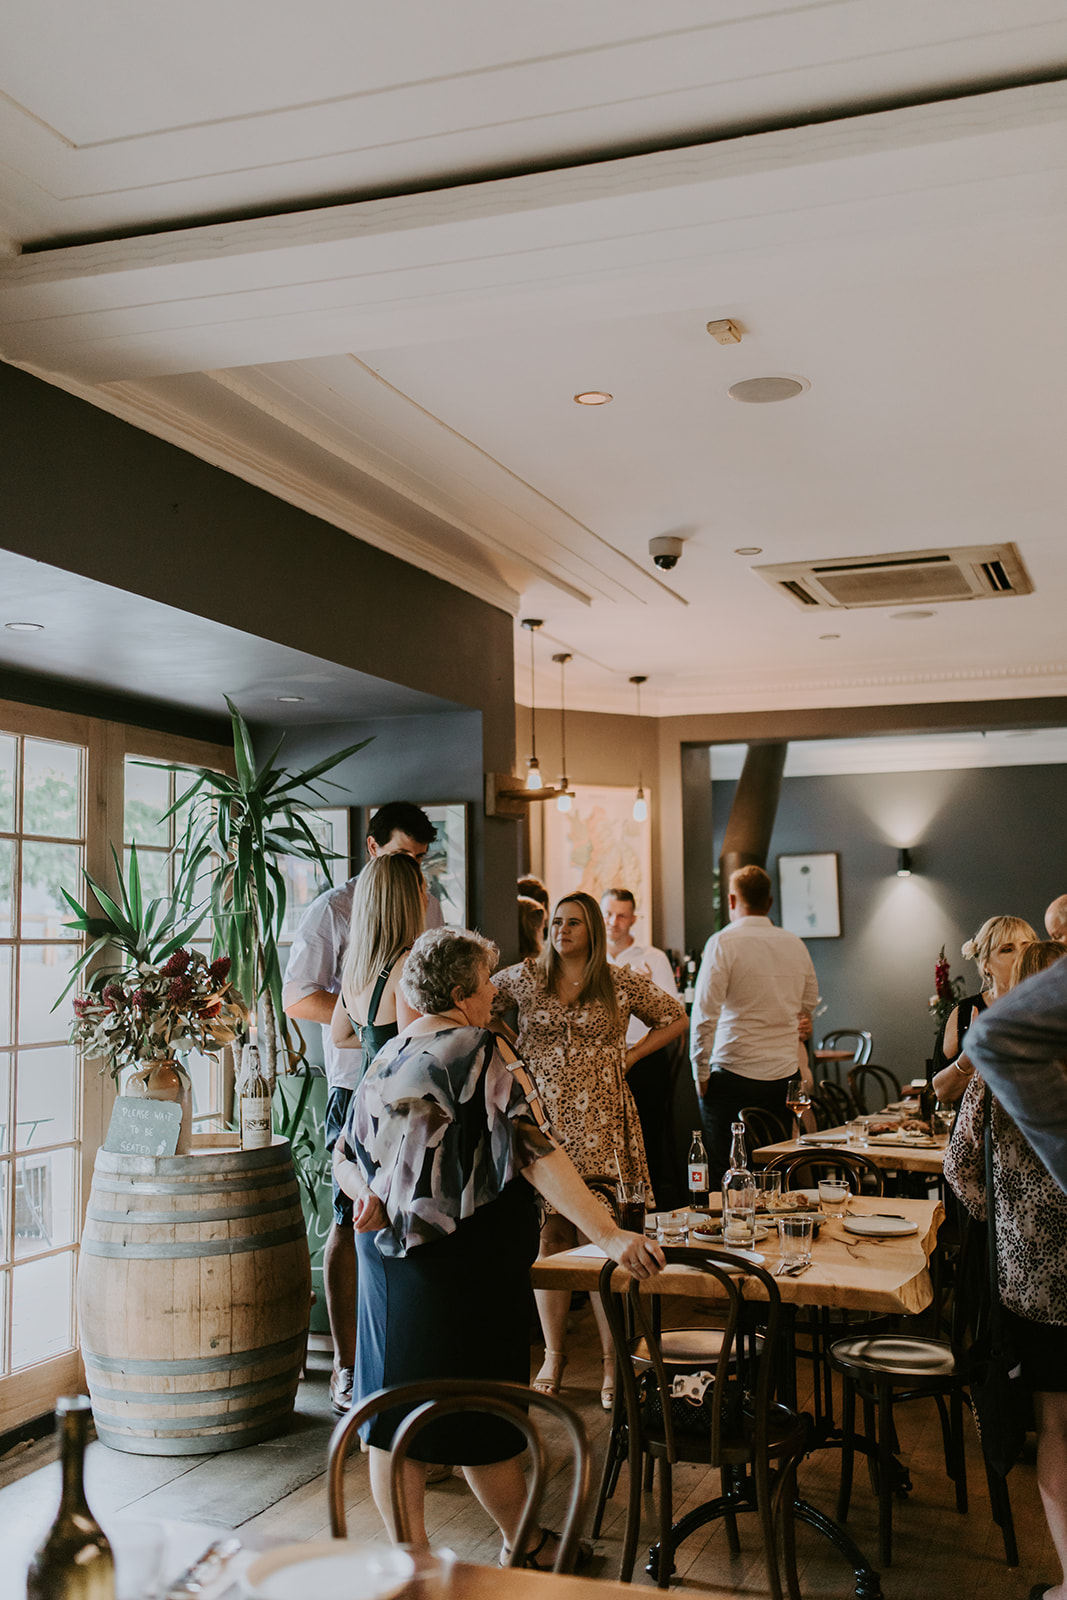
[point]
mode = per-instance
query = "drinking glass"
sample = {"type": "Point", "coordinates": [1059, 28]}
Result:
{"type": "Point", "coordinates": [631, 1203]}
{"type": "Point", "coordinates": [833, 1196]}
{"type": "Point", "coordinates": [672, 1227]}
{"type": "Point", "coordinates": [651, 1224]}
{"type": "Point", "coordinates": [794, 1239]}
{"type": "Point", "coordinates": [857, 1130]}
{"type": "Point", "coordinates": [768, 1190]}
{"type": "Point", "coordinates": [796, 1098]}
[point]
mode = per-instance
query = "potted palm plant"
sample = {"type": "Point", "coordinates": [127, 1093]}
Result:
{"type": "Point", "coordinates": [238, 830]}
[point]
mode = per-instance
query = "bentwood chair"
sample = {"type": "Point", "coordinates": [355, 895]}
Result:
{"type": "Point", "coordinates": [859, 1171]}
{"type": "Point", "coordinates": [722, 1415]}
{"type": "Point", "coordinates": [858, 1040]}
{"type": "Point", "coordinates": [886, 1369]}
{"type": "Point", "coordinates": [868, 1082]}
{"type": "Point", "coordinates": [761, 1127]}
{"type": "Point", "coordinates": [441, 1397]}
{"type": "Point", "coordinates": [839, 1100]}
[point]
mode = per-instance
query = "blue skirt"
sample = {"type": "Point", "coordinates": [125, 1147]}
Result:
{"type": "Point", "coordinates": [458, 1308]}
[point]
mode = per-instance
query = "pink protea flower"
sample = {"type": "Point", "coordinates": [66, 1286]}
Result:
{"type": "Point", "coordinates": [177, 964]}
{"type": "Point", "coordinates": [219, 969]}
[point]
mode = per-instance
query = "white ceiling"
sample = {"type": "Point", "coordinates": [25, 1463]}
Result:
{"type": "Point", "coordinates": [364, 257]}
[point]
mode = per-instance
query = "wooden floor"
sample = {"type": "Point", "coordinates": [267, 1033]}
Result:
{"type": "Point", "coordinates": [279, 1487]}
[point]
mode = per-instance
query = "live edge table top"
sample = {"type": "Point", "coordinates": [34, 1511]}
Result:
{"type": "Point", "coordinates": [857, 1273]}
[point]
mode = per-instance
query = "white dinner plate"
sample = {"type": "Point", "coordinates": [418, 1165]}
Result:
{"type": "Point", "coordinates": [334, 1569]}
{"type": "Point", "coordinates": [880, 1227]}
{"type": "Point", "coordinates": [823, 1138]}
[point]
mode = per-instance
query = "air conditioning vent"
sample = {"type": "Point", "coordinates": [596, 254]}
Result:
{"type": "Point", "coordinates": [903, 578]}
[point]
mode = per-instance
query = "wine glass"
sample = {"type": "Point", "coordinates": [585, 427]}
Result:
{"type": "Point", "coordinates": [796, 1098]}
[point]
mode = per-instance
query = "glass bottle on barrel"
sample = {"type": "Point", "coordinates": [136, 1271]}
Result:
{"type": "Point", "coordinates": [75, 1561]}
{"type": "Point", "coordinates": [698, 1173]}
{"type": "Point", "coordinates": [738, 1194]}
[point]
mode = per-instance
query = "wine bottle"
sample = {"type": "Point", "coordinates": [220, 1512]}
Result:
{"type": "Point", "coordinates": [738, 1193]}
{"type": "Point", "coordinates": [698, 1173]}
{"type": "Point", "coordinates": [255, 1101]}
{"type": "Point", "coordinates": [75, 1561]}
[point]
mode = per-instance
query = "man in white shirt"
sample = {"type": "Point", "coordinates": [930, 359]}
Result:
{"type": "Point", "coordinates": [753, 982]}
{"type": "Point", "coordinates": [312, 984]}
{"type": "Point", "coordinates": [651, 1081]}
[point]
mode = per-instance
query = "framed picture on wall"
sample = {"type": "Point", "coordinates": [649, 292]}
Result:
{"type": "Point", "coordinates": [303, 879]}
{"type": "Point", "coordinates": [447, 862]}
{"type": "Point", "coordinates": [597, 845]}
{"type": "Point", "coordinates": [808, 895]}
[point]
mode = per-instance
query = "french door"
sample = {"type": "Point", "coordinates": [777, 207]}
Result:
{"type": "Point", "coordinates": [63, 799]}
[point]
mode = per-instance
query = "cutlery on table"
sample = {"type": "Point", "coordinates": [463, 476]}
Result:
{"type": "Point", "coordinates": [205, 1569]}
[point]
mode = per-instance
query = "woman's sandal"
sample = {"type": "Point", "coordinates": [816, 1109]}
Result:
{"type": "Point", "coordinates": [540, 1559]}
{"type": "Point", "coordinates": [550, 1378]}
{"type": "Point", "coordinates": [607, 1387]}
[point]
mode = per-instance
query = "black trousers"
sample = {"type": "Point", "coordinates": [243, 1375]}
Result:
{"type": "Point", "coordinates": [723, 1098]}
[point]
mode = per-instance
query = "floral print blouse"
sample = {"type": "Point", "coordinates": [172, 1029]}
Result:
{"type": "Point", "coordinates": [439, 1125]}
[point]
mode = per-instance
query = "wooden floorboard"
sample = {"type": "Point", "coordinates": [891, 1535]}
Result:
{"type": "Point", "coordinates": [279, 1487]}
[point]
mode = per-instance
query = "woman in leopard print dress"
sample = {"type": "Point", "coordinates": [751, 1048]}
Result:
{"type": "Point", "coordinates": [1030, 1210]}
{"type": "Point", "coordinates": [573, 1010]}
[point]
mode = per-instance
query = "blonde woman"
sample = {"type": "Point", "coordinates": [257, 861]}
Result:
{"type": "Point", "coordinates": [994, 951]}
{"type": "Point", "coordinates": [573, 1011]}
{"type": "Point", "coordinates": [388, 912]}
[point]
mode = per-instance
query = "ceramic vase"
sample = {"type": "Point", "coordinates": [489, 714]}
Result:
{"type": "Point", "coordinates": [166, 1079]}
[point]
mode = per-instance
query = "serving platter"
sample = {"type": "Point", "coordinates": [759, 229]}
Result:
{"type": "Point", "coordinates": [333, 1569]}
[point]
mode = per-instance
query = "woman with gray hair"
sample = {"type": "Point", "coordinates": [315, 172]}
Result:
{"type": "Point", "coordinates": [444, 1148]}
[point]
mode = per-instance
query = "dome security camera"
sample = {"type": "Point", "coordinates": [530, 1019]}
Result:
{"type": "Point", "coordinates": [666, 551]}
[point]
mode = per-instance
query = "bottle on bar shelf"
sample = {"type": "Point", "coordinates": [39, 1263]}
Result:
{"type": "Point", "coordinates": [75, 1560]}
{"type": "Point", "coordinates": [256, 1131]}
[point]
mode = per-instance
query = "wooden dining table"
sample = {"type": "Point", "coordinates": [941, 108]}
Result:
{"type": "Point", "coordinates": [850, 1271]}
{"type": "Point", "coordinates": [891, 1155]}
{"type": "Point", "coordinates": [441, 1578]}
{"type": "Point", "coordinates": [884, 1275]}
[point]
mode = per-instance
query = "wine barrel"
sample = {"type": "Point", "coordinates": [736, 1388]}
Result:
{"type": "Point", "coordinates": [194, 1289]}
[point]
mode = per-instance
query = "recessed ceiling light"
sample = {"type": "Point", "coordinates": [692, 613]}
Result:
{"type": "Point", "coordinates": [911, 616]}
{"type": "Point", "coordinates": [290, 699]}
{"type": "Point", "coordinates": [749, 550]}
{"type": "Point", "coordinates": [593, 397]}
{"type": "Point", "coordinates": [763, 391]}
{"type": "Point", "coordinates": [829, 636]}
{"type": "Point", "coordinates": [25, 627]}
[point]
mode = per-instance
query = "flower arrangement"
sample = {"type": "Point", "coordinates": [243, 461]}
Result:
{"type": "Point", "coordinates": [948, 991]}
{"type": "Point", "coordinates": [150, 1013]}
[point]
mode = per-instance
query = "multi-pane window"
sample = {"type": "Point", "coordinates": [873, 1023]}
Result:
{"type": "Point", "coordinates": [42, 852]}
{"type": "Point", "coordinates": [149, 792]}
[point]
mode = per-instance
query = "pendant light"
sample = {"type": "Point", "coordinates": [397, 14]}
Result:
{"type": "Point", "coordinates": [566, 797]}
{"type": "Point", "coordinates": [640, 803]}
{"type": "Point", "coordinates": [533, 766]}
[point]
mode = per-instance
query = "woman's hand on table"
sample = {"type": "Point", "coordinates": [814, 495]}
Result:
{"type": "Point", "coordinates": [641, 1257]}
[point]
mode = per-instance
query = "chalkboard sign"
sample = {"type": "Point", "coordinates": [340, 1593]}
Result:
{"type": "Point", "coordinates": [141, 1127]}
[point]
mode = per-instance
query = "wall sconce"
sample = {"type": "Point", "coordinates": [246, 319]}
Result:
{"type": "Point", "coordinates": [903, 863]}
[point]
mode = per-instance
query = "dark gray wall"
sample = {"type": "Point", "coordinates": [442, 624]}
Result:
{"type": "Point", "coordinates": [983, 843]}
{"type": "Point", "coordinates": [429, 760]}
{"type": "Point", "coordinates": [93, 495]}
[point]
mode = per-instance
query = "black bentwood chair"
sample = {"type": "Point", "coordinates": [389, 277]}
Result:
{"type": "Point", "coordinates": [442, 1397]}
{"type": "Point", "coordinates": [858, 1040]}
{"type": "Point", "coordinates": [723, 1415]}
{"type": "Point", "coordinates": [868, 1083]}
